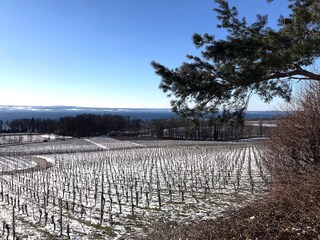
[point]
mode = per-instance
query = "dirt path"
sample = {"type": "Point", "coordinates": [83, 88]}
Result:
{"type": "Point", "coordinates": [42, 164]}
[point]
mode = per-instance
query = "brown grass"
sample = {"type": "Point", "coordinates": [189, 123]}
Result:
{"type": "Point", "coordinates": [290, 211]}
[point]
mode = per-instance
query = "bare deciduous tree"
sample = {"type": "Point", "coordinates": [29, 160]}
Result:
{"type": "Point", "coordinates": [295, 143]}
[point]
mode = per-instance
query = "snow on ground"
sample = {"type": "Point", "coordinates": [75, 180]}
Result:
{"type": "Point", "coordinates": [253, 139]}
{"type": "Point", "coordinates": [111, 143]}
{"type": "Point", "coordinates": [172, 143]}
{"type": "Point", "coordinates": [136, 144]}
{"type": "Point", "coordinates": [21, 138]}
{"type": "Point", "coordinates": [95, 143]}
{"type": "Point", "coordinates": [47, 158]}
{"type": "Point", "coordinates": [12, 163]}
{"type": "Point", "coordinates": [135, 183]}
{"type": "Point", "coordinates": [56, 146]}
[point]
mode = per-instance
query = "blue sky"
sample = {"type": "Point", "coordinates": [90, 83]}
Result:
{"type": "Point", "coordinates": [97, 53]}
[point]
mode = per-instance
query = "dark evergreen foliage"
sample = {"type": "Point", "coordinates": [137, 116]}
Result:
{"type": "Point", "coordinates": [252, 59]}
{"type": "Point", "coordinates": [78, 126]}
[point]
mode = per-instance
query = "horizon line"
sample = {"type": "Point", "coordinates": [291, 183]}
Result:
{"type": "Point", "coordinates": [128, 108]}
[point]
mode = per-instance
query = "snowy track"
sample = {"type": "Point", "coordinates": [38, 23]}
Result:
{"type": "Point", "coordinates": [97, 144]}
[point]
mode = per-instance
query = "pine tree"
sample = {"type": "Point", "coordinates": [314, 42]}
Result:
{"type": "Point", "coordinates": [252, 59]}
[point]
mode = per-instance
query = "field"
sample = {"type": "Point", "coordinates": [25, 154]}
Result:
{"type": "Point", "coordinates": [102, 188]}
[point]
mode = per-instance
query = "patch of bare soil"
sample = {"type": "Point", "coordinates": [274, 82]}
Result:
{"type": "Point", "coordinates": [42, 163]}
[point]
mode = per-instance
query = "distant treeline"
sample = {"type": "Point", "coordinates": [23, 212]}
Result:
{"type": "Point", "coordinates": [214, 129]}
{"type": "Point", "coordinates": [78, 126]}
{"type": "Point", "coordinates": [225, 127]}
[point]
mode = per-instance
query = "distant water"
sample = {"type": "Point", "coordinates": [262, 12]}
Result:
{"type": "Point", "coordinates": [8, 113]}
{"type": "Point", "coordinates": [147, 115]}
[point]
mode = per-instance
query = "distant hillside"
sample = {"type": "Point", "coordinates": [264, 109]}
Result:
{"type": "Point", "coordinates": [56, 112]}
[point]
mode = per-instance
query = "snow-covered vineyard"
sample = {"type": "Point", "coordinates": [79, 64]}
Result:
{"type": "Point", "coordinates": [116, 189]}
